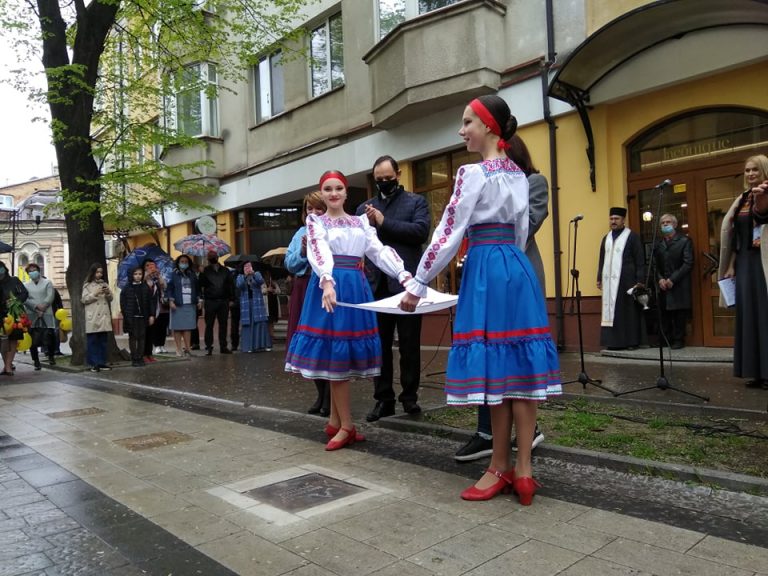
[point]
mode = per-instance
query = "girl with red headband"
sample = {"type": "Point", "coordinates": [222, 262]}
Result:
{"type": "Point", "coordinates": [333, 343]}
{"type": "Point", "coordinates": [502, 353]}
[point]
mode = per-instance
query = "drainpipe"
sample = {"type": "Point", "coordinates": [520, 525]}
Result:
{"type": "Point", "coordinates": [553, 180]}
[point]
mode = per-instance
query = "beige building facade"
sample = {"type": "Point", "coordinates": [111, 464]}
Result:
{"type": "Point", "coordinates": [611, 96]}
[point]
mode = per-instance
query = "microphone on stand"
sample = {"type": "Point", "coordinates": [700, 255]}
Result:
{"type": "Point", "coordinates": [577, 218]}
{"type": "Point", "coordinates": [666, 182]}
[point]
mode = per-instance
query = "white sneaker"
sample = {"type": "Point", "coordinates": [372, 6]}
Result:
{"type": "Point", "coordinates": [538, 438]}
{"type": "Point", "coordinates": [156, 350]}
{"type": "Point", "coordinates": [163, 350]}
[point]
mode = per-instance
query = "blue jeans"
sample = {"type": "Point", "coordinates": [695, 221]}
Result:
{"type": "Point", "coordinates": [96, 349]}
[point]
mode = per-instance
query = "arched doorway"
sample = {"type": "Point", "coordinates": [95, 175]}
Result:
{"type": "Point", "coordinates": [702, 152]}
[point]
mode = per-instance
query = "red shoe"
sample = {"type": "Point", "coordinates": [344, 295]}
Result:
{"type": "Point", "coordinates": [348, 441]}
{"type": "Point", "coordinates": [525, 488]}
{"type": "Point", "coordinates": [502, 485]}
{"type": "Point", "coordinates": [331, 431]}
{"type": "Point", "coordinates": [149, 359]}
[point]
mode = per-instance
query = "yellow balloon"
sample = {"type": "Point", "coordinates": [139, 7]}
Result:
{"type": "Point", "coordinates": [25, 343]}
{"type": "Point", "coordinates": [66, 325]}
{"type": "Point", "coordinates": [62, 314]}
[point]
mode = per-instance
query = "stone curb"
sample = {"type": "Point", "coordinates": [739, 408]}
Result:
{"type": "Point", "coordinates": [616, 462]}
{"type": "Point", "coordinates": [407, 423]}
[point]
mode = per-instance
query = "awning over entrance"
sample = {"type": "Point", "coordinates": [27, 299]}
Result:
{"type": "Point", "coordinates": [635, 32]}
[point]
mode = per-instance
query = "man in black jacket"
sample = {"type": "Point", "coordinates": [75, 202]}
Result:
{"type": "Point", "coordinates": [401, 220]}
{"type": "Point", "coordinates": [217, 295]}
{"type": "Point", "coordinates": [674, 261]}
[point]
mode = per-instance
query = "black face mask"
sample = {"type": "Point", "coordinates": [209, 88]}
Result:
{"type": "Point", "coordinates": [386, 187]}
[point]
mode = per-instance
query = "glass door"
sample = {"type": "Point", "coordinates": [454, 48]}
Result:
{"type": "Point", "coordinates": [720, 188]}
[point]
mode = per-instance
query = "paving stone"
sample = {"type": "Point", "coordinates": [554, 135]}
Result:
{"type": "Point", "coordinates": [27, 462]}
{"type": "Point", "coordinates": [593, 567]}
{"type": "Point", "coordinates": [545, 528]}
{"type": "Point", "coordinates": [16, 543]}
{"type": "Point", "coordinates": [731, 553]}
{"type": "Point", "coordinates": [247, 554]}
{"type": "Point", "coordinates": [17, 450]}
{"type": "Point", "coordinates": [403, 568]}
{"type": "Point", "coordinates": [78, 552]}
{"type": "Point", "coordinates": [662, 560]}
{"type": "Point", "coordinates": [195, 526]}
{"type": "Point", "coordinates": [339, 554]}
{"type": "Point", "coordinates": [418, 527]}
{"type": "Point", "coordinates": [46, 475]}
{"type": "Point", "coordinates": [30, 511]}
{"type": "Point", "coordinates": [184, 563]}
{"type": "Point", "coordinates": [7, 524]}
{"type": "Point", "coordinates": [56, 526]}
{"type": "Point", "coordinates": [312, 570]}
{"type": "Point", "coordinates": [461, 553]}
{"type": "Point", "coordinates": [24, 564]}
{"type": "Point", "coordinates": [27, 497]}
{"type": "Point", "coordinates": [653, 533]}
{"type": "Point", "coordinates": [69, 493]}
{"type": "Point", "coordinates": [531, 558]}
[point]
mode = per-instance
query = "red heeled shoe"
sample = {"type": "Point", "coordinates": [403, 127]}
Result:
{"type": "Point", "coordinates": [525, 488]}
{"type": "Point", "coordinates": [501, 485]}
{"type": "Point", "coordinates": [331, 431]}
{"type": "Point", "coordinates": [352, 437]}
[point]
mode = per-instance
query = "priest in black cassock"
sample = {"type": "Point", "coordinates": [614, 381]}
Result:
{"type": "Point", "coordinates": [622, 266]}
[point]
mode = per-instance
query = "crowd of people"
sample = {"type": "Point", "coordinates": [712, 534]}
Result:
{"type": "Point", "coordinates": [502, 359]}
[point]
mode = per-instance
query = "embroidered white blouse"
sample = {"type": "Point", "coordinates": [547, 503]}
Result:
{"type": "Point", "coordinates": [493, 191]}
{"type": "Point", "coordinates": [348, 236]}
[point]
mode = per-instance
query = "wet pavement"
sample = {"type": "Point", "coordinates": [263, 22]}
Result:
{"type": "Point", "coordinates": [210, 466]}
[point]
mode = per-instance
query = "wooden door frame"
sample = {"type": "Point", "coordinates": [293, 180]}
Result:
{"type": "Point", "coordinates": [678, 177]}
{"type": "Point", "coordinates": [694, 174]}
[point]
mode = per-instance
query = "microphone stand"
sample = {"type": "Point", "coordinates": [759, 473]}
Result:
{"type": "Point", "coordinates": [583, 378]}
{"type": "Point", "coordinates": [662, 383]}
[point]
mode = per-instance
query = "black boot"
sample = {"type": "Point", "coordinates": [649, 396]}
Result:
{"type": "Point", "coordinates": [325, 409]}
{"type": "Point", "coordinates": [315, 408]}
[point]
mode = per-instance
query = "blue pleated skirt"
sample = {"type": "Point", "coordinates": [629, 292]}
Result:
{"type": "Point", "coordinates": [339, 345]}
{"type": "Point", "coordinates": [502, 346]}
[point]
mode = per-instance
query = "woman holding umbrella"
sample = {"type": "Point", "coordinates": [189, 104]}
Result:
{"type": "Point", "coordinates": [184, 301]}
{"type": "Point", "coordinates": [253, 315]}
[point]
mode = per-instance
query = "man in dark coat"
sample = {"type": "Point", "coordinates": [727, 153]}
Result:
{"type": "Point", "coordinates": [217, 292]}
{"type": "Point", "coordinates": [401, 220]}
{"type": "Point", "coordinates": [674, 261]}
{"type": "Point", "coordinates": [622, 267]}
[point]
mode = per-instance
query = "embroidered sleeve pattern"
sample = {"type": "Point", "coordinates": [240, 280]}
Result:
{"type": "Point", "coordinates": [383, 257]}
{"type": "Point", "coordinates": [447, 236]}
{"type": "Point", "coordinates": [318, 251]}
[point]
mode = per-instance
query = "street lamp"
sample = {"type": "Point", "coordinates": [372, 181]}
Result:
{"type": "Point", "coordinates": [19, 226]}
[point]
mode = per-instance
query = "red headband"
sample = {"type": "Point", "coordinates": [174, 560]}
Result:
{"type": "Point", "coordinates": [333, 174]}
{"type": "Point", "coordinates": [487, 118]}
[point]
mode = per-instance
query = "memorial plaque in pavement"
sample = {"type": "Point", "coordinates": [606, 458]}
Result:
{"type": "Point", "coordinates": [91, 411]}
{"type": "Point", "coordinates": [23, 397]}
{"type": "Point", "coordinates": [147, 441]}
{"type": "Point", "coordinates": [303, 492]}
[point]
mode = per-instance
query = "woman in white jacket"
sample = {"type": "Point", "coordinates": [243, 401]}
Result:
{"type": "Point", "coordinates": [98, 317]}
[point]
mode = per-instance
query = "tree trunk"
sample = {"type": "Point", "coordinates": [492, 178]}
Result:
{"type": "Point", "coordinates": [71, 89]}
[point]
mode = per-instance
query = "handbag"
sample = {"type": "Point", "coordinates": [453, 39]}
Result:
{"type": "Point", "coordinates": [38, 332]}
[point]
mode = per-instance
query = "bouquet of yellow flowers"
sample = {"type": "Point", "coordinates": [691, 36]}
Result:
{"type": "Point", "coordinates": [17, 322]}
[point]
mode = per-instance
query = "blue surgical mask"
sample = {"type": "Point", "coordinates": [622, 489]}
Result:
{"type": "Point", "coordinates": [667, 229]}
{"type": "Point", "coordinates": [183, 266]}
{"type": "Point", "coordinates": [34, 274]}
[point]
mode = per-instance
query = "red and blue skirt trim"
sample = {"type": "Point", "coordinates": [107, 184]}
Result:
{"type": "Point", "coordinates": [341, 345]}
{"type": "Point", "coordinates": [502, 346]}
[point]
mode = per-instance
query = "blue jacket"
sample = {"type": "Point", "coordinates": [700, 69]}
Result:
{"type": "Point", "coordinates": [405, 228]}
{"type": "Point", "coordinates": [173, 291]}
{"type": "Point", "coordinates": [294, 262]}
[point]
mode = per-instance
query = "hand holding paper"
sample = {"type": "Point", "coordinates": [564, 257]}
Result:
{"type": "Point", "coordinates": [432, 302]}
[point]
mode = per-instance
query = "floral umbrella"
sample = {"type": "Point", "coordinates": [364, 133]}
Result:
{"type": "Point", "coordinates": [137, 257]}
{"type": "Point", "coordinates": [201, 244]}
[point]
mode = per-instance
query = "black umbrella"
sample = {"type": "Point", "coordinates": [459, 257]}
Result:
{"type": "Point", "coordinates": [237, 259]}
{"type": "Point", "coordinates": [5, 248]}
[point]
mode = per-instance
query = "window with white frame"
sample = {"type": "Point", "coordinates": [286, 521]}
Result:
{"type": "Point", "coordinates": [197, 103]}
{"type": "Point", "coordinates": [269, 89]}
{"type": "Point", "coordinates": [394, 12]}
{"type": "Point", "coordinates": [327, 56]}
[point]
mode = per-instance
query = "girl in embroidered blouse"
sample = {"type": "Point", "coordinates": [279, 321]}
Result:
{"type": "Point", "coordinates": [333, 343]}
{"type": "Point", "coordinates": [502, 353]}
